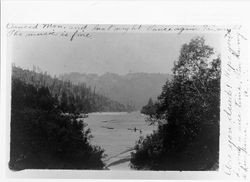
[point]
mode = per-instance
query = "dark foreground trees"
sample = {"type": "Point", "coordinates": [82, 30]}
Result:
{"type": "Point", "coordinates": [187, 112]}
{"type": "Point", "coordinates": [42, 137]}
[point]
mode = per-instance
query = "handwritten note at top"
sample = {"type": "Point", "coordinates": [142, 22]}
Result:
{"type": "Point", "coordinates": [73, 32]}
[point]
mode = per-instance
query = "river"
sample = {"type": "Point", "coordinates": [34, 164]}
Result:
{"type": "Point", "coordinates": [117, 134]}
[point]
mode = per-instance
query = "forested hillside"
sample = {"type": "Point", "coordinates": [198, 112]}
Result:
{"type": "Point", "coordinates": [71, 97]}
{"type": "Point", "coordinates": [132, 90]}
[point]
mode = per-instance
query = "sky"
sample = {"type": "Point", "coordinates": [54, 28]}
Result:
{"type": "Point", "coordinates": [119, 53]}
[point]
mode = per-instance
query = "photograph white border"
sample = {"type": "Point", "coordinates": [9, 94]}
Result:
{"type": "Point", "coordinates": [225, 13]}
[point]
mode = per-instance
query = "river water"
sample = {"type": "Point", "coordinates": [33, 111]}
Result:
{"type": "Point", "coordinates": [117, 134]}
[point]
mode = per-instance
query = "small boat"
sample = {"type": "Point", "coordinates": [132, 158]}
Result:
{"type": "Point", "coordinates": [105, 121]}
{"type": "Point", "coordinates": [110, 128]}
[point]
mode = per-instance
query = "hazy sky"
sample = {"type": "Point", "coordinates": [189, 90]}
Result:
{"type": "Point", "coordinates": [106, 52]}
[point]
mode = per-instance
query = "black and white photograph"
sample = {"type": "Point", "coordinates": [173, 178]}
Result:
{"type": "Point", "coordinates": [99, 97]}
{"type": "Point", "coordinates": [100, 90]}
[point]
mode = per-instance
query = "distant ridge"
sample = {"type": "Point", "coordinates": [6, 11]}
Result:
{"type": "Point", "coordinates": [132, 89]}
{"type": "Point", "coordinates": [74, 97]}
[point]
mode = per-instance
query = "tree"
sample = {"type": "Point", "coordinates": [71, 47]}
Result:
{"type": "Point", "coordinates": [149, 109]}
{"type": "Point", "coordinates": [64, 102]}
{"type": "Point", "coordinates": [189, 105]}
{"type": "Point", "coordinates": [150, 102]}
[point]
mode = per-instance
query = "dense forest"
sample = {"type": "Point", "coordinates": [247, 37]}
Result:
{"type": "Point", "coordinates": [43, 136]}
{"type": "Point", "coordinates": [187, 114]}
{"type": "Point", "coordinates": [77, 98]}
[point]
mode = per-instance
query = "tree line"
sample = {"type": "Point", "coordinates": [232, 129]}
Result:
{"type": "Point", "coordinates": [73, 98]}
{"type": "Point", "coordinates": [187, 113]}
